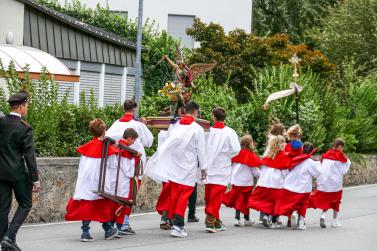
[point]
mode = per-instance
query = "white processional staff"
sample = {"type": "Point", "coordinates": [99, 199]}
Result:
{"type": "Point", "coordinates": [294, 88]}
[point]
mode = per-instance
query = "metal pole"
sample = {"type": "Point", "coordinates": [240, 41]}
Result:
{"type": "Point", "coordinates": [138, 55]}
{"type": "Point", "coordinates": [297, 106]}
{"type": "Point", "coordinates": [252, 16]}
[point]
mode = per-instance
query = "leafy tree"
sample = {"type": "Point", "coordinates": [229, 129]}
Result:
{"type": "Point", "coordinates": [238, 53]}
{"type": "Point", "coordinates": [349, 32]}
{"type": "Point", "coordinates": [292, 17]}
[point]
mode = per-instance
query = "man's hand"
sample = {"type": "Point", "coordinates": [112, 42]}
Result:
{"type": "Point", "coordinates": [204, 174]}
{"type": "Point", "coordinates": [36, 187]}
{"type": "Point", "coordinates": [143, 120]}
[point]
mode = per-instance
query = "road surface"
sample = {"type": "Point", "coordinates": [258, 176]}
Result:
{"type": "Point", "coordinates": [358, 216]}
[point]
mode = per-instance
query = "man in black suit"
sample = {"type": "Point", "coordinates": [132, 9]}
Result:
{"type": "Point", "coordinates": [16, 150]}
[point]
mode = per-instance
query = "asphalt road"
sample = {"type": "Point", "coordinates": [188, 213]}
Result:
{"type": "Point", "coordinates": [358, 216]}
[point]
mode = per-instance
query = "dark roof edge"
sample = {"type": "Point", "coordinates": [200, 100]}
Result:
{"type": "Point", "coordinates": [91, 29]}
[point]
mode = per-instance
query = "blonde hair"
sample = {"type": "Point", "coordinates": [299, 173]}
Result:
{"type": "Point", "coordinates": [294, 132]}
{"type": "Point", "coordinates": [275, 145]}
{"type": "Point", "coordinates": [247, 142]}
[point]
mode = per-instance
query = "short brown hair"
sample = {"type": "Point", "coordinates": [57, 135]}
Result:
{"type": "Point", "coordinates": [97, 127]}
{"type": "Point", "coordinates": [277, 129]}
{"type": "Point", "coordinates": [246, 142]}
{"type": "Point", "coordinates": [191, 107]}
{"type": "Point", "coordinates": [129, 105]}
{"type": "Point", "coordinates": [338, 142]}
{"type": "Point", "coordinates": [130, 133]}
{"type": "Point", "coordinates": [307, 148]}
{"type": "Point", "coordinates": [219, 113]}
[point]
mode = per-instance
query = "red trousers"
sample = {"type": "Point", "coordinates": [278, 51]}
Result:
{"type": "Point", "coordinates": [163, 200]}
{"type": "Point", "coordinates": [238, 198]}
{"type": "Point", "coordinates": [214, 195]}
{"type": "Point", "coordinates": [264, 199]}
{"type": "Point", "coordinates": [88, 210]}
{"type": "Point", "coordinates": [179, 197]}
{"type": "Point", "coordinates": [325, 200]}
{"type": "Point", "coordinates": [291, 201]}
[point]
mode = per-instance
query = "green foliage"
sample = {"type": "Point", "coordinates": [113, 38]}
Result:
{"type": "Point", "coordinates": [292, 17]}
{"type": "Point", "coordinates": [155, 45]}
{"type": "Point", "coordinates": [349, 31]}
{"type": "Point", "coordinates": [239, 54]}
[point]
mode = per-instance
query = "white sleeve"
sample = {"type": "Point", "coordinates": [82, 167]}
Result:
{"type": "Point", "coordinates": [114, 131]}
{"type": "Point", "coordinates": [201, 148]}
{"type": "Point", "coordinates": [235, 147]}
{"type": "Point", "coordinates": [146, 136]}
{"type": "Point", "coordinates": [315, 168]}
{"type": "Point", "coordinates": [255, 171]}
{"type": "Point", "coordinates": [344, 167]}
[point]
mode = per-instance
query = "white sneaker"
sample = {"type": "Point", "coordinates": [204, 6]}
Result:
{"type": "Point", "coordinates": [301, 225]}
{"type": "Point", "coordinates": [249, 222]}
{"type": "Point", "coordinates": [294, 218]}
{"type": "Point", "coordinates": [275, 225]}
{"type": "Point", "coordinates": [178, 232]}
{"type": "Point", "coordinates": [336, 224]}
{"type": "Point", "coordinates": [237, 223]}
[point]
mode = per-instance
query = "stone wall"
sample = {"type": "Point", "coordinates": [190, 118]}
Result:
{"type": "Point", "coordinates": [58, 177]}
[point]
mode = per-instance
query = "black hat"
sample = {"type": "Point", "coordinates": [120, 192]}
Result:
{"type": "Point", "coordinates": [18, 98]}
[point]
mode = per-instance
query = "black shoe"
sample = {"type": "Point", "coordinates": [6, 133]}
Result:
{"type": "Point", "coordinates": [193, 219]}
{"type": "Point", "coordinates": [111, 234]}
{"type": "Point", "coordinates": [8, 243]}
{"type": "Point", "coordinates": [86, 238]}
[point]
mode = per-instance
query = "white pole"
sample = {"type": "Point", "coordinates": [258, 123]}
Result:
{"type": "Point", "coordinates": [138, 54]}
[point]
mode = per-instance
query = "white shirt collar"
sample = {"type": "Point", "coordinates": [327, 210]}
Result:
{"type": "Point", "coordinates": [15, 114]}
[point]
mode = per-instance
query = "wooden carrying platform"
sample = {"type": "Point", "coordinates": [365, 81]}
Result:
{"type": "Point", "coordinates": [163, 123]}
{"type": "Point", "coordinates": [103, 167]}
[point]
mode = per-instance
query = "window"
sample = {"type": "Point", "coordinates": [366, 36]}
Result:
{"type": "Point", "coordinates": [177, 25]}
{"type": "Point", "coordinates": [120, 13]}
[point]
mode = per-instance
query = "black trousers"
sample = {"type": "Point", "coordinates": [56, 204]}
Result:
{"type": "Point", "coordinates": [23, 192]}
{"type": "Point", "coordinates": [192, 202]}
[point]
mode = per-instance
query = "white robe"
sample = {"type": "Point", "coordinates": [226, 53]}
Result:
{"type": "Point", "coordinates": [126, 172]}
{"type": "Point", "coordinates": [272, 177]}
{"type": "Point", "coordinates": [331, 179]}
{"type": "Point", "coordinates": [178, 156]}
{"type": "Point", "coordinates": [299, 179]}
{"type": "Point", "coordinates": [221, 146]}
{"type": "Point", "coordinates": [88, 177]}
{"type": "Point", "coordinates": [243, 175]}
{"type": "Point", "coordinates": [145, 138]}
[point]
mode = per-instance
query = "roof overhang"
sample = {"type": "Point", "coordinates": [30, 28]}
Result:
{"type": "Point", "coordinates": [35, 60]}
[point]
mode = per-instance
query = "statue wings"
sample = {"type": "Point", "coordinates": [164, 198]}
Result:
{"type": "Point", "coordinates": [201, 68]}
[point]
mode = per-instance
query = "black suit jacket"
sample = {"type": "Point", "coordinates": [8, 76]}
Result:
{"type": "Point", "coordinates": [16, 150]}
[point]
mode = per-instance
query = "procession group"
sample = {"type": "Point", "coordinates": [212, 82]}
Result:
{"type": "Point", "coordinates": [187, 155]}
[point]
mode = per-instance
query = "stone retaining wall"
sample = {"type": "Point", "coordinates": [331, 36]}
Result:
{"type": "Point", "coordinates": [58, 177]}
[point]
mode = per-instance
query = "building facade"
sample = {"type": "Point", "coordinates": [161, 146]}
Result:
{"type": "Point", "coordinates": [104, 61]}
{"type": "Point", "coordinates": [175, 16]}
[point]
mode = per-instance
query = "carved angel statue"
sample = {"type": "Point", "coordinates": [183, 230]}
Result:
{"type": "Point", "coordinates": [186, 75]}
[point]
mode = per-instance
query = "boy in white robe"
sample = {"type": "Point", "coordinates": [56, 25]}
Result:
{"type": "Point", "coordinates": [145, 139]}
{"type": "Point", "coordinates": [298, 186]}
{"type": "Point", "coordinates": [335, 164]}
{"type": "Point", "coordinates": [87, 206]}
{"type": "Point", "coordinates": [177, 162]}
{"type": "Point", "coordinates": [221, 146]}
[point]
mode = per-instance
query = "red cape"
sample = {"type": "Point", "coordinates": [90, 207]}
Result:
{"type": "Point", "coordinates": [292, 152]}
{"type": "Point", "coordinates": [219, 125]}
{"type": "Point", "coordinates": [126, 118]}
{"type": "Point", "coordinates": [301, 158]}
{"type": "Point", "coordinates": [247, 157]}
{"type": "Point", "coordinates": [335, 155]}
{"type": "Point", "coordinates": [93, 149]}
{"type": "Point", "coordinates": [186, 120]}
{"type": "Point", "coordinates": [281, 161]}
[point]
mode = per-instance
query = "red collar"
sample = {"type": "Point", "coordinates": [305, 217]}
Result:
{"type": "Point", "coordinates": [219, 125]}
{"type": "Point", "coordinates": [335, 155]}
{"type": "Point", "coordinates": [93, 149]}
{"type": "Point", "coordinates": [186, 120]}
{"type": "Point", "coordinates": [281, 161]}
{"type": "Point", "coordinates": [126, 118]}
{"type": "Point", "coordinates": [301, 158]}
{"type": "Point", "coordinates": [247, 157]}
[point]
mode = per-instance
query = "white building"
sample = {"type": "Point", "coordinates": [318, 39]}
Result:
{"type": "Point", "coordinates": [177, 15]}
